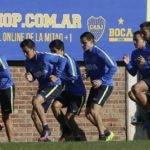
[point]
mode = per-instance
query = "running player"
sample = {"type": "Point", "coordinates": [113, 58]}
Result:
{"type": "Point", "coordinates": [47, 69]}
{"type": "Point", "coordinates": [101, 69]}
{"type": "Point", "coordinates": [73, 95]}
{"type": "Point", "coordinates": [145, 28]}
{"type": "Point", "coordinates": [140, 62]}
{"type": "Point", "coordinates": [7, 91]}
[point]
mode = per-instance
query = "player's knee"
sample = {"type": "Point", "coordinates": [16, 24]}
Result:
{"type": "Point", "coordinates": [136, 89]}
{"type": "Point", "coordinates": [35, 102]}
{"type": "Point", "coordinates": [87, 111]}
{"type": "Point", "coordinates": [56, 106]}
{"type": "Point", "coordinates": [87, 115]}
{"type": "Point", "coordinates": [96, 111]}
{"type": "Point", "coordinates": [70, 116]}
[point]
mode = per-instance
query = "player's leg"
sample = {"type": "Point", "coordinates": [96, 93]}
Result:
{"type": "Point", "coordinates": [89, 116]}
{"type": "Point", "coordinates": [74, 108]}
{"type": "Point", "coordinates": [7, 108]}
{"type": "Point", "coordinates": [96, 112]}
{"type": "Point", "coordinates": [8, 125]}
{"type": "Point", "coordinates": [36, 121]}
{"type": "Point", "coordinates": [133, 98]}
{"type": "Point", "coordinates": [140, 89]}
{"type": "Point", "coordinates": [99, 98]}
{"type": "Point", "coordinates": [57, 106]}
{"type": "Point", "coordinates": [88, 105]}
{"type": "Point", "coordinates": [37, 101]}
{"type": "Point", "coordinates": [41, 104]}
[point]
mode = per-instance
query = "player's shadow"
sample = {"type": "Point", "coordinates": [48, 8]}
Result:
{"type": "Point", "coordinates": [142, 124]}
{"type": "Point", "coordinates": [81, 134]}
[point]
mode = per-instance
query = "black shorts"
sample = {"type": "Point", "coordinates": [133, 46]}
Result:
{"type": "Point", "coordinates": [49, 94]}
{"type": "Point", "coordinates": [147, 81]}
{"type": "Point", "coordinates": [99, 95]}
{"type": "Point", "coordinates": [74, 103]}
{"type": "Point", "coordinates": [7, 100]}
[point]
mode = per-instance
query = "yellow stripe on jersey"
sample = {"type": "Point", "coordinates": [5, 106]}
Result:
{"type": "Point", "coordinates": [51, 91]}
{"type": "Point", "coordinates": [72, 66]}
{"type": "Point", "coordinates": [1, 63]}
{"type": "Point", "coordinates": [103, 95]}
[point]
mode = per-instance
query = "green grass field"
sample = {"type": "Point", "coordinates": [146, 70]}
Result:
{"type": "Point", "coordinates": [133, 145]}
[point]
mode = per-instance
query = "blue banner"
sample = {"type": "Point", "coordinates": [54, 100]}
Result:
{"type": "Point", "coordinates": [111, 22]}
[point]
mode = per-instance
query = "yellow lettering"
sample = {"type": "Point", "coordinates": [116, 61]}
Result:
{"type": "Point", "coordinates": [129, 32]}
{"type": "Point", "coordinates": [76, 21]}
{"type": "Point", "coordinates": [10, 19]}
{"type": "Point", "coordinates": [111, 32]}
{"type": "Point", "coordinates": [66, 21]}
{"type": "Point", "coordinates": [50, 20]}
{"type": "Point", "coordinates": [29, 20]}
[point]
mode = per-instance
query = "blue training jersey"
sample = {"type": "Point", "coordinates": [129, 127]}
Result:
{"type": "Point", "coordinates": [5, 76]}
{"type": "Point", "coordinates": [72, 79]}
{"type": "Point", "coordinates": [44, 65]}
{"type": "Point", "coordinates": [144, 69]}
{"type": "Point", "coordinates": [99, 65]}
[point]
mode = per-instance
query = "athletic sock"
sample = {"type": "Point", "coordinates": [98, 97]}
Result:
{"type": "Point", "coordinates": [45, 127]}
{"type": "Point", "coordinates": [107, 132]}
{"type": "Point", "coordinates": [102, 137]}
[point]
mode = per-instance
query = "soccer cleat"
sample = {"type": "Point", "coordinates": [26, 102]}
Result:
{"type": "Point", "coordinates": [45, 137]}
{"type": "Point", "coordinates": [110, 136]}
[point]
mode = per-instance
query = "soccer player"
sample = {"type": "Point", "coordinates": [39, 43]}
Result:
{"type": "Point", "coordinates": [140, 62]}
{"type": "Point", "coordinates": [145, 28]}
{"type": "Point", "coordinates": [73, 95]}
{"type": "Point", "coordinates": [47, 69]}
{"type": "Point", "coordinates": [7, 91]}
{"type": "Point", "coordinates": [101, 69]}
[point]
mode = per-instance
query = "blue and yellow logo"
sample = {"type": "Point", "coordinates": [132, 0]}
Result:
{"type": "Point", "coordinates": [120, 33]}
{"type": "Point", "coordinates": [96, 25]}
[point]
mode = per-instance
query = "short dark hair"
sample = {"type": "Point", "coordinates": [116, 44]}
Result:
{"type": "Point", "coordinates": [57, 44]}
{"type": "Point", "coordinates": [27, 42]}
{"type": "Point", "coordinates": [88, 35]}
{"type": "Point", "coordinates": [138, 32]}
{"type": "Point", "coordinates": [145, 24]}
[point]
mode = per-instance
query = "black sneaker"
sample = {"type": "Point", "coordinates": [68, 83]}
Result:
{"type": "Point", "coordinates": [102, 137]}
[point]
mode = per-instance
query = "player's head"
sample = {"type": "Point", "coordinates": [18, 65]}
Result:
{"type": "Point", "coordinates": [87, 40]}
{"type": "Point", "coordinates": [57, 46]}
{"type": "Point", "coordinates": [28, 47]}
{"type": "Point", "coordinates": [145, 28]}
{"type": "Point", "coordinates": [138, 39]}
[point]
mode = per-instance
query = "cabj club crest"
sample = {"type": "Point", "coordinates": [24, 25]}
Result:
{"type": "Point", "coordinates": [96, 25]}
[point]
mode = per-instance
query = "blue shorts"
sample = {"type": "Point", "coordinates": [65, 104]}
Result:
{"type": "Point", "coordinates": [49, 94]}
{"type": "Point", "coordinates": [74, 103]}
{"type": "Point", "coordinates": [99, 95]}
{"type": "Point", "coordinates": [7, 100]}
